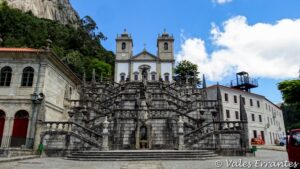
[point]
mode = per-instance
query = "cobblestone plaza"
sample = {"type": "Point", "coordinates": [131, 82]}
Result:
{"type": "Point", "coordinates": [59, 163]}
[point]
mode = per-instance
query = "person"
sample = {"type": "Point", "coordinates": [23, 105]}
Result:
{"type": "Point", "coordinates": [41, 148]}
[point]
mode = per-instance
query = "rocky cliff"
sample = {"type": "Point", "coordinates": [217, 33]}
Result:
{"type": "Point", "coordinates": [59, 10]}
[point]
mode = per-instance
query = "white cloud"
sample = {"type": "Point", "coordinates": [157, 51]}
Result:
{"type": "Point", "coordinates": [263, 50]}
{"type": "Point", "coordinates": [221, 1]}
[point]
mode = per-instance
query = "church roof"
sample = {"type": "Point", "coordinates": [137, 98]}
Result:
{"type": "Point", "coordinates": [51, 56]}
{"type": "Point", "coordinates": [145, 55]}
{"type": "Point", "coordinates": [19, 50]}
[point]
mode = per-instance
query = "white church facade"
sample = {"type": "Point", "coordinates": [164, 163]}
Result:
{"type": "Point", "coordinates": [144, 65]}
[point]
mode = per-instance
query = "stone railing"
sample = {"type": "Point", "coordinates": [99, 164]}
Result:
{"type": "Point", "coordinates": [212, 128]}
{"type": "Point", "coordinates": [197, 134]}
{"type": "Point", "coordinates": [73, 129]}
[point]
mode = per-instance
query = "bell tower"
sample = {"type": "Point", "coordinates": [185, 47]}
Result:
{"type": "Point", "coordinates": [124, 46]}
{"type": "Point", "coordinates": [165, 46]}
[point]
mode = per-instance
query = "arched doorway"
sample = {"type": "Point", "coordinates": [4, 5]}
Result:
{"type": "Point", "coordinates": [144, 137]}
{"type": "Point", "coordinates": [144, 71]}
{"type": "Point", "coordinates": [19, 132]}
{"type": "Point", "coordinates": [2, 122]}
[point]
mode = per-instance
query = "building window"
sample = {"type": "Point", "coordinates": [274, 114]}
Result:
{"type": "Point", "coordinates": [235, 98]}
{"type": "Point", "coordinates": [243, 100]}
{"type": "Point", "coordinates": [260, 118]}
{"type": "Point", "coordinates": [27, 77]}
{"type": "Point", "coordinates": [70, 92]}
{"type": "Point", "coordinates": [236, 115]}
{"type": "Point", "coordinates": [253, 117]}
{"type": "Point", "coordinates": [5, 76]}
{"type": "Point", "coordinates": [258, 103]}
{"type": "Point", "coordinates": [227, 114]}
{"type": "Point", "coordinates": [153, 76]}
{"type": "Point", "coordinates": [251, 102]}
{"type": "Point", "coordinates": [226, 97]}
{"type": "Point", "coordinates": [254, 134]}
{"type": "Point", "coordinates": [136, 77]}
{"type": "Point", "coordinates": [166, 46]}
{"type": "Point", "coordinates": [167, 77]}
{"type": "Point", "coordinates": [122, 77]}
{"type": "Point", "coordinates": [123, 46]}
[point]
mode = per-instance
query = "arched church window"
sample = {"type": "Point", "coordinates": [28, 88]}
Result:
{"type": "Point", "coordinates": [153, 76]}
{"type": "Point", "coordinates": [27, 76]}
{"type": "Point", "coordinates": [123, 45]}
{"type": "Point", "coordinates": [136, 76]}
{"type": "Point", "coordinates": [166, 46]}
{"type": "Point", "coordinates": [167, 78]}
{"type": "Point", "coordinates": [5, 76]}
{"type": "Point", "coordinates": [122, 77]}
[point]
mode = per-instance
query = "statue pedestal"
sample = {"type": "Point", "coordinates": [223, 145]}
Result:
{"type": "Point", "coordinates": [105, 133]}
{"type": "Point", "coordinates": [180, 134]}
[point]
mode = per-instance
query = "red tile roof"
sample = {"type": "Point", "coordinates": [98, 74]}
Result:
{"type": "Point", "coordinates": [19, 50]}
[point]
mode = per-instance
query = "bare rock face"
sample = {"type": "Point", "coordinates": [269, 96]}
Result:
{"type": "Point", "coordinates": [58, 10]}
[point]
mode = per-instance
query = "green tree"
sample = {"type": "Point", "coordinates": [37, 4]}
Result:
{"type": "Point", "coordinates": [186, 69]}
{"type": "Point", "coordinates": [102, 69]}
{"type": "Point", "coordinates": [290, 90]}
{"type": "Point", "coordinates": [78, 47]}
{"type": "Point", "coordinates": [74, 61]}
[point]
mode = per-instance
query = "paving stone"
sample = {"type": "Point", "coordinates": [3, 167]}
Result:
{"type": "Point", "coordinates": [143, 165]}
{"type": "Point", "coordinates": [59, 163]}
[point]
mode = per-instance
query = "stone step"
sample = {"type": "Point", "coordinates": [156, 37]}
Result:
{"type": "Point", "coordinates": [141, 155]}
{"type": "Point", "coordinates": [142, 159]}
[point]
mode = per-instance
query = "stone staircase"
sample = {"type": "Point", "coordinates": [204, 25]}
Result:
{"type": "Point", "coordinates": [142, 155]}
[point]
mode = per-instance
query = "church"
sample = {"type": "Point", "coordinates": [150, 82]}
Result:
{"type": "Point", "coordinates": [144, 65]}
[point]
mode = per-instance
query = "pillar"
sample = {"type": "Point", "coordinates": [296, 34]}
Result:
{"type": "Point", "coordinates": [105, 135]}
{"type": "Point", "coordinates": [180, 134]}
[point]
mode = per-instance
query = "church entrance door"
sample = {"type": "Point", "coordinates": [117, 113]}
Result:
{"type": "Point", "coordinates": [144, 144]}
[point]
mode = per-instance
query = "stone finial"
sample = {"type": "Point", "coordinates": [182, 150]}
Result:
{"type": "Point", "coordinates": [180, 119]}
{"type": "Point", "coordinates": [48, 43]}
{"type": "Point", "coordinates": [203, 82]}
{"type": "Point", "coordinates": [84, 79]}
{"type": "Point", "coordinates": [101, 77]}
{"type": "Point", "coordinates": [94, 76]}
{"type": "Point", "coordinates": [105, 123]}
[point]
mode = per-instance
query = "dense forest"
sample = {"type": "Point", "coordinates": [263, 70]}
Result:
{"type": "Point", "coordinates": [79, 47]}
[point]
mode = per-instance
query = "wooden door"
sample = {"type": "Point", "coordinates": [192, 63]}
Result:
{"type": "Point", "coordinates": [20, 126]}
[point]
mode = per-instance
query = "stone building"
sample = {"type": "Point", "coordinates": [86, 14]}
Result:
{"type": "Point", "coordinates": [35, 86]}
{"type": "Point", "coordinates": [265, 119]}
